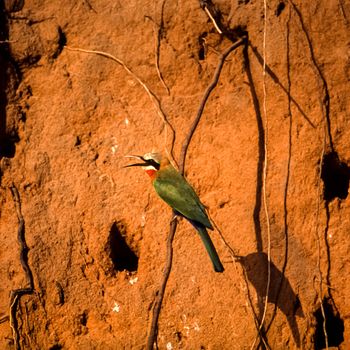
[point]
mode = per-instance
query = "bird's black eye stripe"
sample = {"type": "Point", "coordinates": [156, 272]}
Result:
{"type": "Point", "coordinates": [153, 163]}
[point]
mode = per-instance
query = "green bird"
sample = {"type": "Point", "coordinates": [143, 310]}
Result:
{"type": "Point", "coordinates": [173, 188]}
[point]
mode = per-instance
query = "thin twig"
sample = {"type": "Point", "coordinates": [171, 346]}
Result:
{"type": "Point", "coordinates": [150, 93]}
{"type": "Point", "coordinates": [233, 254]}
{"type": "Point", "coordinates": [206, 95]}
{"type": "Point", "coordinates": [234, 258]}
{"type": "Point", "coordinates": [213, 20]}
{"type": "Point", "coordinates": [211, 11]}
{"type": "Point", "coordinates": [158, 28]}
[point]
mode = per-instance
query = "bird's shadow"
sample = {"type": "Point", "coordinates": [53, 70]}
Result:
{"type": "Point", "coordinates": [280, 291]}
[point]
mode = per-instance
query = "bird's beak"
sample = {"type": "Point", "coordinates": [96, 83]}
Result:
{"type": "Point", "coordinates": [136, 164]}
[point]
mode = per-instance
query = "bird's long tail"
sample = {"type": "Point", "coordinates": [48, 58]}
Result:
{"type": "Point", "coordinates": [209, 246]}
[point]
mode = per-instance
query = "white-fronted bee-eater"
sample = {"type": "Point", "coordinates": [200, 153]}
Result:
{"type": "Point", "coordinates": [173, 188]}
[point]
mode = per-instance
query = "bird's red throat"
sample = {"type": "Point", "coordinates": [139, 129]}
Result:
{"type": "Point", "coordinates": [151, 173]}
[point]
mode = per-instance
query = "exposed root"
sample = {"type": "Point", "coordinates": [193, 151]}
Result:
{"type": "Point", "coordinates": [234, 258]}
{"type": "Point", "coordinates": [152, 338]}
{"type": "Point", "coordinates": [158, 28]}
{"type": "Point", "coordinates": [17, 293]}
{"type": "Point", "coordinates": [151, 95]}
{"type": "Point", "coordinates": [264, 179]}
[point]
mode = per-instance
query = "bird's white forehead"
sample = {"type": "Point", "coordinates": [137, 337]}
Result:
{"type": "Point", "coordinates": [155, 156]}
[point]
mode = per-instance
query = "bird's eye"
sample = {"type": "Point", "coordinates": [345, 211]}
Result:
{"type": "Point", "coordinates": [154, 164]}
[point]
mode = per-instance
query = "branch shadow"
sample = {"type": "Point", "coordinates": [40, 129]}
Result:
{"type": "Point", "coordinates": [261, 153]}
{"type": "Point", "coordinates": [274, 77]}
{"type": "Point", "coordinates": [259, 183]}
{"type": "Point", "coordinates": [285, 193]}
{"type": "Point", "coordinates": [280, 288]}
{"type": "Point", "coordinates": [256, 267]}
{"type": "Point", "coordinates": [325, 100]}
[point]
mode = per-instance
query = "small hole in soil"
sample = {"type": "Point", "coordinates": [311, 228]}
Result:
{"type": "Point", "coordinates": [201, 53]}
{"type": "Point", "coordinates": [56, 347]}
{"type": "Point", "coordinates": [7, 146]}
{"type": "Point", "coordinates": [122, 256]}
{"type": "Point", "coordinates": [62, 41]}
{"type": "Point", "coordinates": [84, 318]}
{"type": "Point", "coordinates": [335, 175]}
{"type": "Point", "coordinates": [334, 327]}
{"type": "Point", "coordinates": [77, 141]}
{"type": "Point", "coordinates": [202, 50]}
{"type": "Point", "coordinates": [178, 336]}
{"type": "Point", "coordinates": [280, 7]}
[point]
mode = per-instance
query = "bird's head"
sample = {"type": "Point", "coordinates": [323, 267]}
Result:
{"type": "Point", "coordinates": [150, 163]}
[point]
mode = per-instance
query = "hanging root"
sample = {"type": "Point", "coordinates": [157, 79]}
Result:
{"type": "Point", "coordinates": [17, 293]}
{"type": "Point", "coordinates": [206, 95]}
{"type": "Point", "coordinates": [264, 180]}
{"type": "Point", "coordinates": [149, 92]}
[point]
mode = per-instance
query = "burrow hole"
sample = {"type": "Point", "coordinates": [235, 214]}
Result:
{"type": "Point", "coordinates": [202, 46]}
{"type": "Point", "coordinates": [280, 7]}
{"type": "Point", "coordinates": [334, 327]}
{"type": "Point", "coordinates": [83, 318]}
{"type": "Point", "coordinates": [335, 175]}
{"type": "Point", "coordinates": [56, 347]}
{"type": "Point", "coordinates": [121, 254]}
{"type": "Point", "coordinates": [7, 145]}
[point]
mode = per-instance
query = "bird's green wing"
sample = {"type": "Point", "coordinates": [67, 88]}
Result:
{"type": "Point", "coordinates": [172, 187]}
